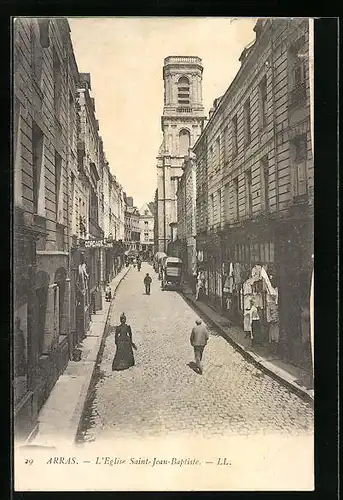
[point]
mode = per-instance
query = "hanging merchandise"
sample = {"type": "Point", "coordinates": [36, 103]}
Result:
{"type": "Point", "coordinates": [247, 286]}
{"type": "Point", "coordinates": [258, 299]}
{"type": "Point", "coordinates": [247, 302]}
{"type": "Point", "coordinates": [237, 274]}
{"type": "Point", "coordinates": [256, 273]}
{"type": "Point", "coordinates": [266, 279]}
{"type": "Point", "coordinates": [272, 313]}
{"type": "Point", "coordinates": [226, 284]}
{"type": "Point", "coordinates": [228, 303]}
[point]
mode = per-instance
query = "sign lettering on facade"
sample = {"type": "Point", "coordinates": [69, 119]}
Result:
{"type": "Point", "coordinates": [97, 244]}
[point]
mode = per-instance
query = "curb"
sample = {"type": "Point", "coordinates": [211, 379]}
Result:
{"type": "Point", "coordinates": [251, 357]}
{"type": "Point", "coordinates": [85, 389]}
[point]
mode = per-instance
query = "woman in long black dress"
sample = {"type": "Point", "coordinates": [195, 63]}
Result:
{"type": "Point", "coordinates": [123, 358]}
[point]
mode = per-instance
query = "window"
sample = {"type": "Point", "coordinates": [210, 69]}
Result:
{"type": "Point", "coordinates": [183, 91]}
{"type": "Point", "coordinates": [219, 203]}
{"type": "Point", "coordinates": [226, 144]}
{"type": "Point", "coordinates": [146, 236]}
{"type": "Point", "coordinates": [296, 72]}
{"type": "Point", "coordinates": [211, 159]}
{"type": "Point", "coordinates": [36, 54]}
{"type": "Point", "coordinates": [235, 199]}
{"type": "Point", "coordinates": [296, 62]}
{"type": "Point", "coordinates": [300, 167]}
{"type": "Point", "coordinates": [226, 201]}
{"type": "Point", "coordinates": [234, 136]}
{"type": "Point", "coordinates": [72, 183]}
{"type": "Point", "coordinates": [37, 159]}
{"type": "Point", "coordinates": [184, 142]}
{"type": "Point", "coordinates": [264, 169]}
{"type": "Point", "coordinates": [247, 123]}
{"type": "Point", "coordinates": [248, 193]}
{"type": "Point", "coordinates": [263, 102]}
{"type": "Point", "coordinates": [217, 153]}
{"type": "Point", "coordinates": [57, 83]}
{"type": "Point", "coordinates": [212, 209]}
{"type": "Point", "coordinates": [300, 148]}
{"type": "Point", "coordinates": [58, 171]}
{"type": "Point", "coordinates": [72, 111]}
{"type": "Point", "coordinates": [146, 223]}
{"type": "Point", "coordinates": [146, 212]}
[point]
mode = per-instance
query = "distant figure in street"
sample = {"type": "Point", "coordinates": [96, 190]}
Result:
{"type": "Point", "coordinates": [108, 294]}
{"type": "Point", "coordinates": [123, 358]}
{"type": "Point", "coordinates": [147, 282]}
{"type": "Point", "coordinates": [199, 339]}
{"type": "Point", "coordinates": [199, 285]}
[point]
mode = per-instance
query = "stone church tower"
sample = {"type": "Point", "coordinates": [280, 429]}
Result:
{"type": "Point", "coordinates": [181, 122]}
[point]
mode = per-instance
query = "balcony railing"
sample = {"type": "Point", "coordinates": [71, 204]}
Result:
{"type": "Point", "coordinates": [184, 109]}
{"type": "Point", "coordinates": [182, 59]}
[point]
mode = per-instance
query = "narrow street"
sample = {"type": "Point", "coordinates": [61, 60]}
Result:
{"type": "Point", "coordinates": [161, 394]}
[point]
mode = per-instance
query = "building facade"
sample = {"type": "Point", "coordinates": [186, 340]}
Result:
{"type": "Point", "coordinates": [68, 212]}
{"type": "Point", "coordinates": [147, 220]}
{"type": "Point", "coordinates": [132, 225]}
{"type": "Point", "coordinates": [45, 154]}
{"type": "Point", "coordinates": [113, 223]}
{"type": "Point", "coordinates": [255, 188]}
{"type": "Point", "coordinates": [186, 216]}
{"type": "Point", "coordinates": [181, 122]}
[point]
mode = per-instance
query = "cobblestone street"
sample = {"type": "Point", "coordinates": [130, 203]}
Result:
{"type": "Point", "coordinates": [161, 394]}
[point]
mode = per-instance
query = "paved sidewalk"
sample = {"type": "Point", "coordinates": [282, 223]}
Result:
{"type": "Point", "coordinates": [296, 379]}
{"type": "Point", "coordinates": [60, 416]}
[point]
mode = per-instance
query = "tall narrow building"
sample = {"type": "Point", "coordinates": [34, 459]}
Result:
{"type": "Point", "coordinates": [181, 122]}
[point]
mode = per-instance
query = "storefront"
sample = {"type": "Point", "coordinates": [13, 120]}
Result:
{"type": "Point", "coordinates": [24, 328]}
{"type": "Point", "coordinates": [295, 262]}
{"type": "Point", "coordinates": [269, 265]}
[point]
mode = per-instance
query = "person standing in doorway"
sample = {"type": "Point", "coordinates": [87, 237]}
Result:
{"type": "Point", "coordinates": [199, 338]}
{"type": "Point", "coordinates": [147, 282]}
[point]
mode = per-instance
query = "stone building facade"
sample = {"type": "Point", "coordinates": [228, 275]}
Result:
{"type": "Point", "coordinates": [181, 122]}
{"type": "Point", "coordinates": [186, 216]}
{"type": "Point", "coordinates": [59, 212]}
{"type": "Point", "coordinates": [44, 147]}
{"type": "Point", "coordinates": [146, 222]}
{"type": "Point", "coordinates": [113, 223]}
{"type": "Point", "coordinates": [132, 225]}
{"type": "Point", "coordinates": [255, 187]}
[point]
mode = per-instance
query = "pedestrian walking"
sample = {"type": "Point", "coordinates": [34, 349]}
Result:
{"type": "Point", "coordinates": [199, 338]}
{"type": "Point", "coordinates": [123, 358]}
{"type": "Point", "coordinates": [108, 293]}
{"type": "Point", "coordinates": [147, 282]}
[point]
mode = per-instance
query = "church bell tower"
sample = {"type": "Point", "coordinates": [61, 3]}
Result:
{"type": "Point", "coordinates": [181, 122]}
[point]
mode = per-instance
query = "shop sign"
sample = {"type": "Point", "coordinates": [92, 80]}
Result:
{"type": "Point", "coordinates": [97, 244]}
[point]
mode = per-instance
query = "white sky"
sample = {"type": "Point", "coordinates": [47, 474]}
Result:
{"type": "Point", "coordinates": [125, 58]}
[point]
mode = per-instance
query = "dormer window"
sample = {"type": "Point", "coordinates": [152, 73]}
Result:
{"type": "Point", "coordinates": [183, 95]}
